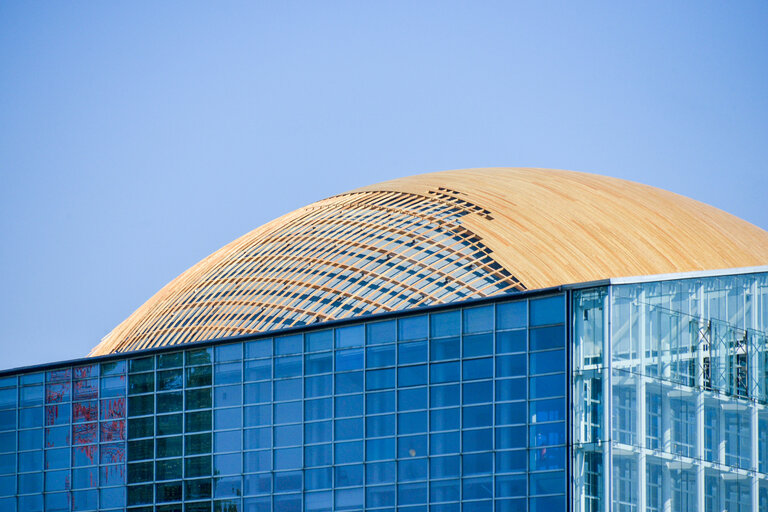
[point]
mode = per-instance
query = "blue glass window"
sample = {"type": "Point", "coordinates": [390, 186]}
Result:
{"type": "Point", "coordinates": [477, 416]}
{"type": "Point", "coordinates": [412, 446]}
{"type": "Point", "coordinates": [380, 496]}
{"type": "Point", "coordinates": [445, 372]}
{"type": "Point", "coordinates": [318, 409]}
{"type": "Point", "coordinates": [412, 328]}
{"type": "Point", "coordinates": [547, 410]}
{"type": "Point", "coordinates": [448, 348]}
{"type": "Point", "coordinates": [346, 476]}
{"type": "Point", "coordinates": [511, 486]}
{"type": "Point", "coordinates": [547, 483]}
{"type": "Point", "coordinates": [380, 472]}
{"type": "Point", "coordinates": [548, 337]}
{"type": "Point", "coordinates": [511, 437]}
{"type": "Point", "coordinates": [381, 402]}
{"type": "Point", "coordinates": [348, 429]}
{"type": "Point", "coordinates": [478, 319]}
{"type": "Point", "coordinates": [380, 449]}
{"type": "Point", "coordinates": [353, 336]}
{"type": "Point", "coordinates": [445, 324]}
{"type": "Point", "coordinates": [511, 413]}
{"type": "Point", "coordinates": [511, 389]}
{"type": "Point", "coordinates": [348, 452]}
{"type": "Point", "coordinates": [318, 386]}
{"type": "Point", "coordinates": [412, 375]}
{"type": "Point", "coordinates": [444, 419]}
{"type": "Point", "coordinates": [511, 341]}
{"type": "Point", "coordinates": [381, 332]}
{"type": "Point", "coordinates": [288, 412]}
{"type": "Point", "coordinates": [378, 426]}
{"type": "Point", "coordinates": [409, 470]}
{"type": "Point", "coordinates": [477, 369]}
{"type": "Point", "coordinates": [349, 359]}
{"type": "Point", "coordinates": [445, 467]}
{"type": "Point", "coordinates": [318, 340]}
{"type": "Point", "coordinates": [477, 488]}
{"type": "Point", "coordinates": [288, 389]}
{"type": "Point", "coordinates": [231, 352]}
{"type": "Point", "coordinates": [288, 458]}
{"type": "Point", "coordinates": [349, 405]}
{"type": "Point", "coordinates": [319, 478]}
{"type": "Point", "coordinates": [412, 422]}
{"type": "Point", "coordinates": [227, 373]}
{"type": "Point", "coordinates": [545, 458]}
{"type": "Point", "coordinates": [477, 440]}
{"type": "Point", "coordinates": [320, 432]}
{"type": "Point", "coordinates": [478, 345]}
{"type": "Point", "coordinates": [260, 369]}
{"type": "Point", "coordinates": [411, 399]}
{"type": "Point", "coordinates": [512, 315]}
{"type": "Point", "coordinates": [408, 494]}
{"type": "Point", "coordinates": [288, 435]}
{"type": "Point", "coordinates": [288, 345]}
{"type": "Point", "coordinates": [258, 348]}
{"type": "Point", "coordinates": [477, 463]}
{"type": "Point", "coordinates": [548, 311]}
{"type": "Point", "coordinates": [378, 356]}
{"type": "Point", "coordinates": [350, 382]}
{"type": "Point", "coordinates": [444, 396]}
{"type": "Point", "coordinates": [380, 379]}
{"type": "Point", "coordinates": [258, 392]}
{"type": "Point", "coordinates": [444, 443]}
{"type": "Point", "coordinates": [257, 461]}
{"type": "Point", "coordinates": [477, 392]}
{"type": "Point", "coordinates": [288, 366]}
{"type": "Point", "coordinates": [547, 386]}
{"type": "Point", "coordinates": [412, 352]}
{"type": "Point", "coordinates": [318, 363]}
{"type": "Point", "coordinates": [545, 434]}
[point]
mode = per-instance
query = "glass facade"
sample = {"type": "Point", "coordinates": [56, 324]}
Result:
{"type": "Point", "coordinates": [634, 396]}
{"type": "Point", "coordinates": [670, 386]}
{"type": "Point", "coordinates": [460, 409]}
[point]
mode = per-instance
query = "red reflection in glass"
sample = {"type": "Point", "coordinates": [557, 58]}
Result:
{"type": "Point", "coordinates": [112, 430]}
{"type": "Point", "coordinates": [84, 389]}
{"type": "Point", "coordinates": [112, 453]}
{"type": "Point", "coordinates": [84, 372]}
{"type": "Point", "coordinates": [57, 392]}
{"type": "Point", "coordinates": [85, 411]}
{"type": "Point", "coordinates": [113, 475]}
{"type": "Point", "coordinates": [51, 414]}
{"type": "Point", "coordinates": [113, 408]}
{"type": "Point", "coordinates": [62, 374]}
{"type": "Point", "coordinates": [85, 433]}
{"type": "Point", "coordinates": [84, 455]}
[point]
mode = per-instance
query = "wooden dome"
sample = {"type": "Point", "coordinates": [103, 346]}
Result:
{"type": "Point", "coordinates": [437, 238]}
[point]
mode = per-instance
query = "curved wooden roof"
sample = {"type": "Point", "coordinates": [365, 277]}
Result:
{"type": "Point", "coordinates": [437, 238]}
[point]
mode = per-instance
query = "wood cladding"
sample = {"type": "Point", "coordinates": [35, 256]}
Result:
{"type": "Point", "coordinates": [437, 238]}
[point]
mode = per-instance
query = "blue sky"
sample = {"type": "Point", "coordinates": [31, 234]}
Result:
{"type": "Point", "coordinates": [138, 137]}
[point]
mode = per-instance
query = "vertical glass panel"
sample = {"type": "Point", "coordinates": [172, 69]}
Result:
{"type": "Point", "coordinates": [445, 324]}
{"type": "Point", "coordinates": [478, 319]}
{"type": "Point", "coordinates": [550, 310]}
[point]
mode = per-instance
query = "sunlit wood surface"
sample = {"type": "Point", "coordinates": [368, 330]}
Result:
{"type": "Point", "coordinates": [437, 238]}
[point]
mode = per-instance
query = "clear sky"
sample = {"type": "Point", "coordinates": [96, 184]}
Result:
{"type": "Point", "coordinates": [138, 137]}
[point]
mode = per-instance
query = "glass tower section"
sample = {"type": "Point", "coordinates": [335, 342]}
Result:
{"type": "Point", "coordinates": [450, 409]}
{"type": "Point", "coordinates": [670, 386]}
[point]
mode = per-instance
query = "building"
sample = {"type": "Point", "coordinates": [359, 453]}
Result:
{"type": "Point", "coordinates": [479, 340]}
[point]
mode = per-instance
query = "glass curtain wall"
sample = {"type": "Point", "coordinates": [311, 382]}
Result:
{"type": "Point", "coordinates": [461, 409]}
{"type": "Point", "coordinates": [670, 388]}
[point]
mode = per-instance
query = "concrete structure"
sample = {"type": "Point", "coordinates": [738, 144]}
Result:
{"type": "Point", "coordinates": [477, 340]}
